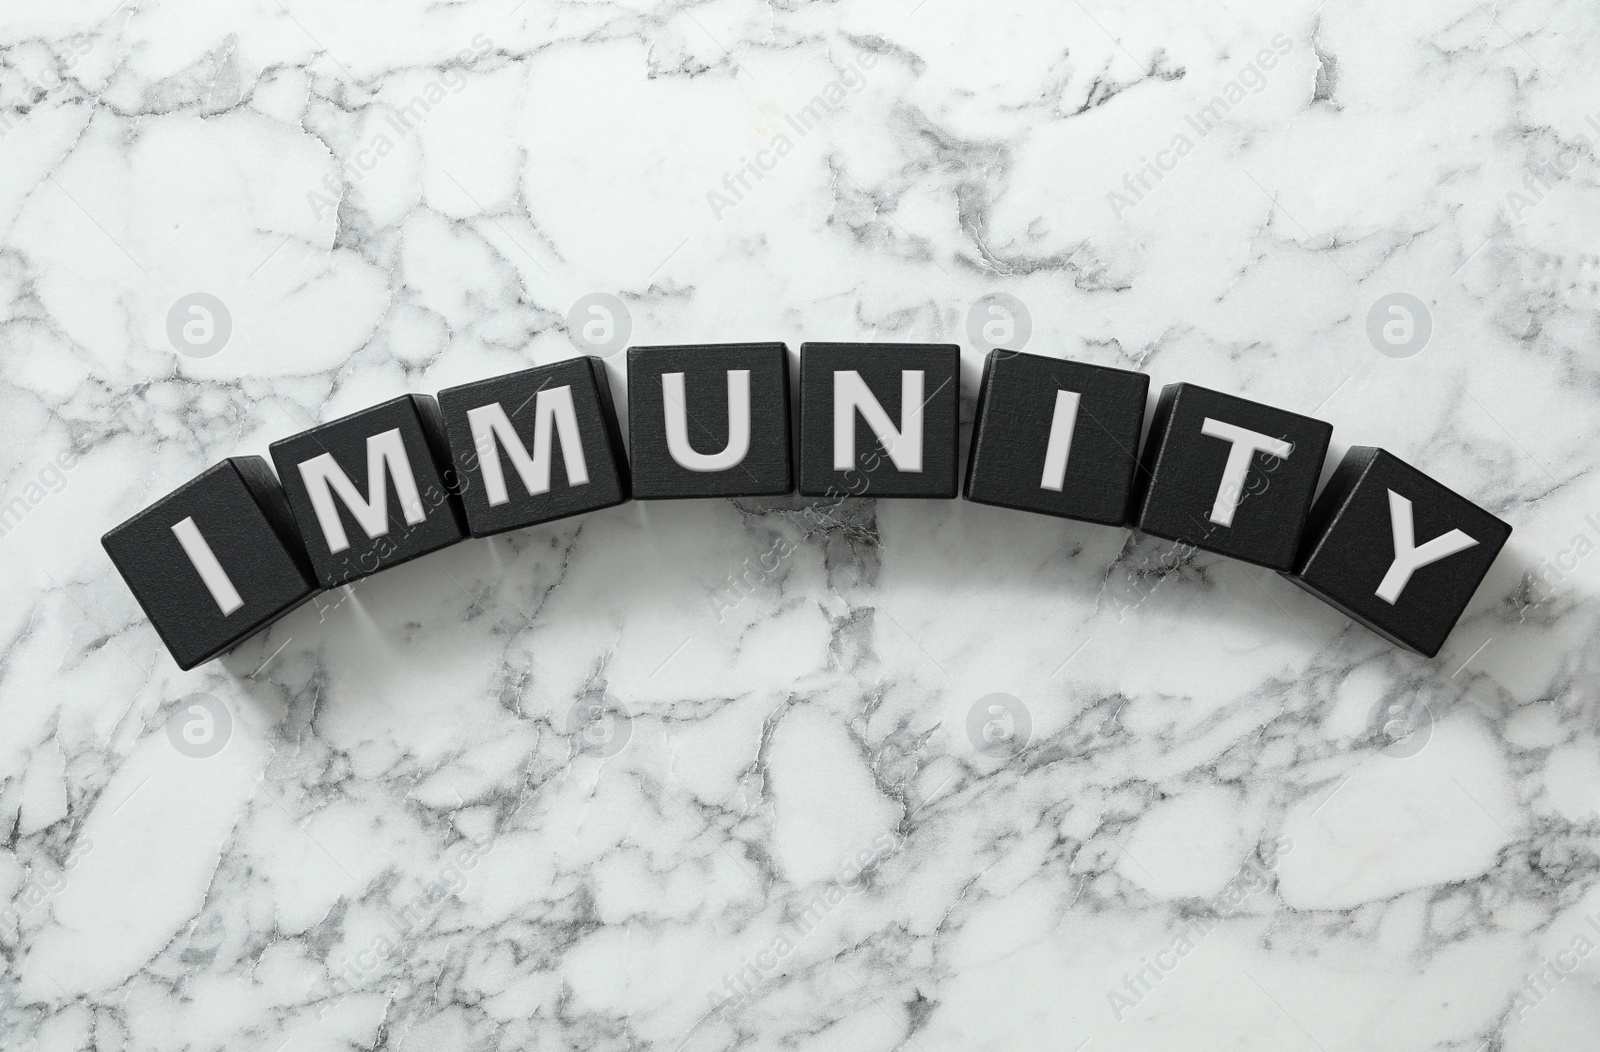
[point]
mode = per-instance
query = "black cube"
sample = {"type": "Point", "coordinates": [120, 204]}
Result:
{"type": "Point", "coordinates": [1396, 550]}
{"type": "Point", "coordinates": [1229, 475]}
{"type": "Point", "coordinates": [369, 491]}
{"type": "Point", "coordinates": [535, 446]}
{"type": "Point", "coordinates": [879, 419]}
{"type": "Point", "coordinates": [1056, 437]}
{"type": "Point", "coordinates": [215, 561]}
{"type": "Point", "coordinates": [710, 420]}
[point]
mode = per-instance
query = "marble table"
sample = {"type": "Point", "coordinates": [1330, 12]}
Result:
{"type": "Point", "coordinates": [711, 775]}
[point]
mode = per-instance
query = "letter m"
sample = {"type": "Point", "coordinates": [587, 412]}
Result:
{"type": "Point", "coordinates": [552, 411]}
{"type": "Point", "coordinates": [386, 457]}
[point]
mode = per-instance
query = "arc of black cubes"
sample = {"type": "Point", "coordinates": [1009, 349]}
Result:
{"type": "Point", "coordinates": [237, 547]}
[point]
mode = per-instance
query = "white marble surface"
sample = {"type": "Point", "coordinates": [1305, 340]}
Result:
{"type": "Point", "coordinates": [402, 843]}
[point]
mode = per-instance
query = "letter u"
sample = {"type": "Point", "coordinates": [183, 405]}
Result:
{"type": "Point", "coordinates": [675, 404]}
